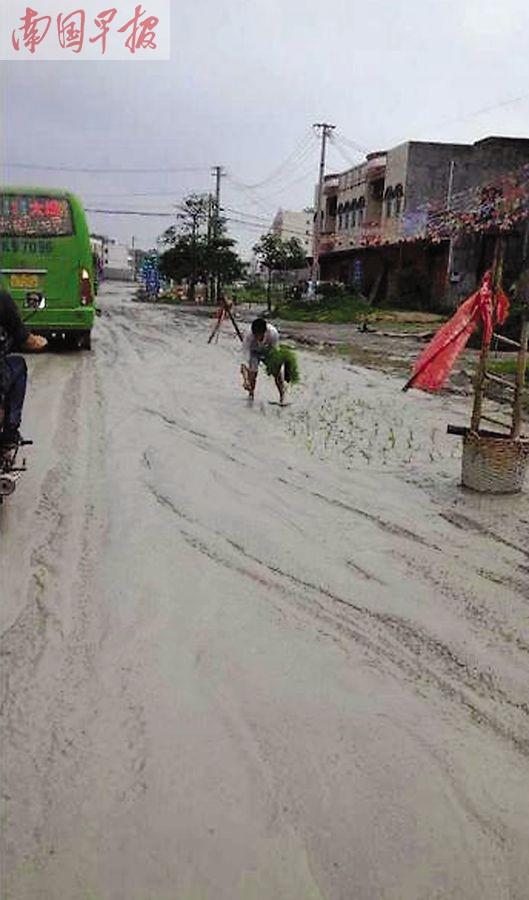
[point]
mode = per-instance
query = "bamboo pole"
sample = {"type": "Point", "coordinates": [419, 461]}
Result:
{"type": "Point", "coordinates": [479, 383]}
{"type": "Point", "coordinates": [522, 294]}
{"type": "Point", "coordinates": [520, 379]}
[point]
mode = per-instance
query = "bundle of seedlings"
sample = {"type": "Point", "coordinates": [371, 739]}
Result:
{"type": "Point", "coordinates": [283, 357]}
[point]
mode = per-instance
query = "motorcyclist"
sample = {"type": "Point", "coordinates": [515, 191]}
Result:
{"type": "Point", "coordinates": [13, 374]}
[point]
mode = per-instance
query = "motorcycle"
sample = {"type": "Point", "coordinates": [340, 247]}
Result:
{"type": "Point", "coordinates": [11, 466]}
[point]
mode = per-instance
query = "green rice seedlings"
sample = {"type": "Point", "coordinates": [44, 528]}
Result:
{"type": "Point", "coordinates": [283, 357]}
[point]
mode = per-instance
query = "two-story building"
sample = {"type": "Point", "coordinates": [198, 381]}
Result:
{"type": "Point", "coordinates": [376, 220]}
{"type": "Point", "coordinates": [298, 224]}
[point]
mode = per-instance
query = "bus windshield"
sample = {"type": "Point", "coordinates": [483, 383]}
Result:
{"type": "Point", "coordinates": [30, 215]}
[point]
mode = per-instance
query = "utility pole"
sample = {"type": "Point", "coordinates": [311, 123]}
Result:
{"type": "Point", "coordinates": [210, 290]}
{"type": "Point", "coordinates": [218, 173]}
{"type": "Point", "coordinates": [325, 130]}
{"type": "Point", "coordinates": [449, 207]}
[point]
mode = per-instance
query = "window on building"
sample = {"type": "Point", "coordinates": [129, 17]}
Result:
{"type": "Point", "coordinates": [360, 209]}
{"type": "Point", "coordinates": [389, 197]}
{"type": "Point", "coordinates": [352, 217]}
{"type": "Point", "coordinates": [346, 216]}
{"type": "Point", "coordinates": [377, 189]}
{"type": "Point", "coordinates": [399, 199]}
{"type": "Point", "coordinates": [340, 217]}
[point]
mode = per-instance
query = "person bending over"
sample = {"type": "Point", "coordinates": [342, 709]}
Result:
{"type": "Point", "coordinates": [260, 340]}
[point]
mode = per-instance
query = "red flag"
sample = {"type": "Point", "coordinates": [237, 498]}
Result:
{"type": "Point", "coordinates": [437, 359]}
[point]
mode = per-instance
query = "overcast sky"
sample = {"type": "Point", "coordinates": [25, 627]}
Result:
{"type": "Point", "coordinates": [246, 81]}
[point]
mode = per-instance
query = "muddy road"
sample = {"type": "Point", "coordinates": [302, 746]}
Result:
{"type": "Point", "coordinates": [251, 652]}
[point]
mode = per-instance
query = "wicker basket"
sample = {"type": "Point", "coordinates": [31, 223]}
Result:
{"type": "Point", "coordinates": [494, 464]}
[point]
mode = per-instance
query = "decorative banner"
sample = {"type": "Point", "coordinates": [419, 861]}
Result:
{"type": "Point", "coordinates": [436, 361]}
{"type": "Point", "coordinates": [150, 274]}
{"type": "Point", "coordinates": [495, 206]}
{"type": "Point", "coordinates": [358, 274]}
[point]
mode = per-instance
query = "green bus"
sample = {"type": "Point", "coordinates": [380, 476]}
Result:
{"type": "Point", "coordinates": [45, 254]}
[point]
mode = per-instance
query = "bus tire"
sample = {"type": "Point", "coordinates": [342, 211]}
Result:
{"type": "Point", "coordinates": [85, 340]}
{"type": "Point", "coordinates": [71, 340]}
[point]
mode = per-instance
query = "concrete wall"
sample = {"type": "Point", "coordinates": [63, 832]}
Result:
{"type": "Point", "coordinates": [428, 172]}
{"type": "Point", "coordinates": [299, 224]}
{"type": "Point", "coordinates": [397, 166]}
{"type": "Point", "coordinates": [495, 155]}
{"type": "Point", "coordinates": [117, 262]}
{"type": "Point", "coordinates": [115, 274]}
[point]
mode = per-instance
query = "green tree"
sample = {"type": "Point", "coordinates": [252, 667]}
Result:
{"type": "Point", "coordinates": [277, 255]}
{"type": "Point", "coordinates": [198, 247]}
{"type": "Point", "coordinates": [185, 259]}
{"type": "Point", "coordinates": [222, 260]}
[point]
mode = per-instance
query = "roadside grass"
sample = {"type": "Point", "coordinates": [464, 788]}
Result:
{"type": "Point", "coordinates": [356, 310]}
{"type": "Point", "coordinates": [168, 298]}
{"type": "Point", "coordinates": [329, 311]}
{"type": "Point", "coordinates": [506, 367]}
{"type": "Point", "coordinates": [367, 358]}
{"type": "Point", "coordinates": [255, 295]}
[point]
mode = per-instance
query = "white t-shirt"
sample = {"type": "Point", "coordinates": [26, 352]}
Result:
{"type": "Point", "coordinates": [253, 350]}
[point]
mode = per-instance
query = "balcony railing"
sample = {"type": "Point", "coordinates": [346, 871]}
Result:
{"type": "Point", "coordinates": [369, 234]}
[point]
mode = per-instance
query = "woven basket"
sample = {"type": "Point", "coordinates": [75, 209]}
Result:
{"type": "Point", "coordinates": [494, 465]}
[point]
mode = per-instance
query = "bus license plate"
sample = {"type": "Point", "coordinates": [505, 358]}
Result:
{"type": "Point", "coordinates": [24, 282]}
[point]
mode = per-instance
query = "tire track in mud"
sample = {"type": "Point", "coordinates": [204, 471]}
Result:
{"type": "Point", "coordinates": [422, 658]}
{"type": "Point", "coordinates": [203, 442]}
{"type": "Point", "coordinates": [506, 580]}
{"type": "Point", "coordinates": [465, 523]}
{"type": "Point", "coordinates": [50, 518]}
{"type": "Point", "coordinates": [380, 523]}
{"type": "Point", "coordinates": [51, 684]}
{"type": "Point", "coordinates": [33, 645]}
{"type": "Point", "coordinates": [476, 611]}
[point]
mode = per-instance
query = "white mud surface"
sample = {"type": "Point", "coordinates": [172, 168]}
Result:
{"type": "Point", "coordinates": [250, 652]}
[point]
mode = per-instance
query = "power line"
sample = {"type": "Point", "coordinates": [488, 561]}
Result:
{"type": "Point", "coordinates": [242, 212]}
{"type": "Point", "coordinates": [106, 170]}
{"type": "Point", "coordinates": [307, 174]}
{"type": "Point", "coordinates": [106, 196]}
{"type": "Point", "coordinates": [297, 156]}
{"type": "Point", "coordinates": [250, 225]}
{"type": "Point", "coordinates": [354, 145]}
{"type": "Point", "coordinates": [253, 197]}
{"type": "Point", "coordinates": [480, 112]}
{"type": "Point", "coordinates": [466, 117]}
{"type": "Point", "coordinates": [129, 212]}
{"type": "Point", "coordinates": [256, 198]}
{"type": "Point", "coordinates": [344, 150]}
{"type": "Point", "coordinates": [269, 227]}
